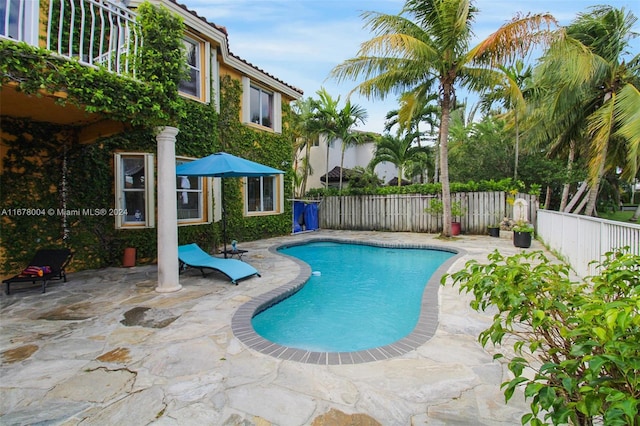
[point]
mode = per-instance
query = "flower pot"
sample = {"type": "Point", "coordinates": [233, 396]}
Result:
{"type": "Point", "coordinates": [456, 228]}
{"type": "Point", "coordinates": [494, 231]}
{"type": "Point", "coordinates": [522, 239]}
{"type": "Point", "coordinates": [129, 257]}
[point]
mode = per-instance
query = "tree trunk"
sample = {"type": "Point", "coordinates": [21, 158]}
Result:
{"type": "Point", "coordinates": [590, 210]}
{"type": "Point", "coordinates": [636, 214]}
{"type": "Point", "coordinates": [326, 176]}
{"type": "Point", "coordinates": [436, 166]}
{"type": "Point", "coordinates": [595, 183]}
{"type": "Point", "coordinates": [565, 189]}
{"type": "Point", "coordinates": [447, 89]}
{"type": "Point", "coordinates": [583, 187]}
{"type": "Point", "coordinates": [515, 166]}
{"type": "Point", "coordinates": [586, 198]}
{"type": "Point", "coordinates": [306, 162]}
{"type": "Point", "coordinates": [341, 163]}
{"type": "Point", "coordinates": [547, 198]}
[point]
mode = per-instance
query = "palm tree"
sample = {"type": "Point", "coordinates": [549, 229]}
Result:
{"type": "Point", "coordinates": [337, 123]}
{"type": "Point", "coordinates": [400, 151]}
{"type": "Point", "coordinates": [347, 117]}
{"type": "Point", "coordinates": [427, 46]}
{"type": "Point", "coordinates": [414, 110]}
{"type": "Point", "coordinates": [326, 115]}
{"type": "Point", "coordinates": [592, 94]}
{"type": "Point", "coordinates": [510, 89]}
{"type": "Point", "coordinates": [305, 127]}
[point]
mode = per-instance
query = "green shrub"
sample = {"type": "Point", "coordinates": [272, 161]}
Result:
{"type": "Point", "coordinates": [584, 337]}
{"type": "Point", "coordinates": [506, 185]}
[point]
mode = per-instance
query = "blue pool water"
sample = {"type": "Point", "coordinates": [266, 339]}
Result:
{"type": "Point", "coordinates": [364, 297]}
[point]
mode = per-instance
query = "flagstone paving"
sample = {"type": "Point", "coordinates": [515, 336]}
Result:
{"type": "Point", "coordinates": [106, 348]}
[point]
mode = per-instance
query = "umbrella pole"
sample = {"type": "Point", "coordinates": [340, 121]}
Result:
{"type": "Point", "coordinates": [224, 218]}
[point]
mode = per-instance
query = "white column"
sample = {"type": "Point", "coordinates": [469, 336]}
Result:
{"type": "Point", "coordinates": [168, 278]}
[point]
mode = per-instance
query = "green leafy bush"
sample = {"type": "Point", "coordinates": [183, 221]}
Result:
{"type": "Point", "coordinates": [436, 207]}
{"type": "Point", "coordinates": [523, 227]}
{"type": "Point", "coordinates": [506, 185]}
{"type": "Point", "coordinates": [582, 339]}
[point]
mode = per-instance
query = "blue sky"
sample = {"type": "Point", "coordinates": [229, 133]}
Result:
{"type": "Point", "coordinates": [300, 41]}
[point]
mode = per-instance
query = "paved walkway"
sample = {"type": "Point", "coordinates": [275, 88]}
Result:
{"type": "Point", "coordinates": [105, 348]}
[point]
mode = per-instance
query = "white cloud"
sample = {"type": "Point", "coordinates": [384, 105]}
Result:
{"type": "Point", "coordinates": [300, 41]}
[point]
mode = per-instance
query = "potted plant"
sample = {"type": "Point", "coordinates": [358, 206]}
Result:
{"type": "Point", "coordinates": [522, 234]}
{"type": "Point", "coordinates": [494, 228]}
{"type": "Point", "coordinates": [456, 212]}
{"type": "Point", "coordinates": [436, 207]}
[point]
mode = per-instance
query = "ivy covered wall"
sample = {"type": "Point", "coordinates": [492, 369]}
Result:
{"type": "Point", "coordinates": [47, 167]}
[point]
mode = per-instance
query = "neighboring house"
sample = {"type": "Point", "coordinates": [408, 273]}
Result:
{"type": "Point", "coordinates": [106, 35]}
{"type": "Point", "coordinates": [354, 156]}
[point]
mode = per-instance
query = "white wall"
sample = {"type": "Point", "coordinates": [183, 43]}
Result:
{"type": "Point", "coordinates": [359, 156]}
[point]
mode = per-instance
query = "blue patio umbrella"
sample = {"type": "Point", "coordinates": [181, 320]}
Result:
{"type": "Point", "coordinates": [224, 165]}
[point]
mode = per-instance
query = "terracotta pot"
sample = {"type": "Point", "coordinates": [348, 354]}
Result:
{"type": "Point", "coordinates": [129, 257]}
{"type": "Point", "coordinates": [456, 228]}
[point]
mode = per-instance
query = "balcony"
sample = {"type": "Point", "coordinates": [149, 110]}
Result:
{"type": "Point", "coordinates": [100, 33]}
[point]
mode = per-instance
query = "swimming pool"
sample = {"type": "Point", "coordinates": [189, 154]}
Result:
{"type": "Point", "coordinates": [425, 328]}
{"type": "Point", "coordinates": [358, 297]}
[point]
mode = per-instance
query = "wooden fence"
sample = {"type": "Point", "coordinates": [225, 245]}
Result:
{"type": "Point", "coordinates": [406, 213]}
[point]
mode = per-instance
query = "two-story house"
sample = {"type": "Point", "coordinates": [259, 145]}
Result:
{"type": "Point", "coordinates": [86, 110]}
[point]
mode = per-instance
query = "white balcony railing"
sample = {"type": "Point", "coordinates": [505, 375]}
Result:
{"type": "Point", "coordinates": [96, 32]}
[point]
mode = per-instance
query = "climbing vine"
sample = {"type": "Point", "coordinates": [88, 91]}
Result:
{"type": "Point", "coordinates": [46, 167]}
{"type": "Point", "coordinates": [271, 149]}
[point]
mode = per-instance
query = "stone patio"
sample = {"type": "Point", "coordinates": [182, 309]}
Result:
{"type": "Point", "coordinates": [106, 348]}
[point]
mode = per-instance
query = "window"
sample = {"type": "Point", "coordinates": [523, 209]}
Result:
{"type": "Point", "coordinates": [261, 106]}
{"type": "Point", "coordinates": [263, 195]}
{"type": "Point", "coordinates": [192, 203]}
{"type": "Point", "coordinates": [19, 20]}
{"type": "Point", "coordinates": [192, 86]}
{"type": "Point", "coordinates": [134, 190]}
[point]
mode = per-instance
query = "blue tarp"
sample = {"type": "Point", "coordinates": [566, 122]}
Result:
{"type": "Point", "coordinates": [305, 216]}
{"type": "Point", "coordinates": [298, 216]}
{"type": "Point", "coordinates": [311, 216]}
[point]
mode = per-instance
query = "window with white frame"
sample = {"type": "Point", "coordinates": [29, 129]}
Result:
{"type": "Point", "coordinates": [192, 207]}
{"type": "Point", "coordinates": [19, 19]}
{"type": "Point", "coordinates": [134, 207]}
{"type": "Point", "coordinates": [193, 85]}
{"type": "Point", "coordinates": [263, 195]}
{"type": "Point", "coordinates": [261, 106]}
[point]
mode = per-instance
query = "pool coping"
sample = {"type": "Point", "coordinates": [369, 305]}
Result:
{"type": "Point", "coordinates": [424, 330]}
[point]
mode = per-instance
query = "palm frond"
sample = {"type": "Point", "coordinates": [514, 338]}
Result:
{"type": "Point", "coordinates": [569, 62]}
{"type": "Point", "coordinates": [627, 110]}
{"type": "Point", "coordinates": [514, 39]}
{"type": "Point", "coordinates": [600, 125]}
{"type": "Point", "coordinates": [382, 75]}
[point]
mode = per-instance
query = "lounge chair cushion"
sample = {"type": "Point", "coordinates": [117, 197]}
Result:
{"type": "Point", "coordinates": [193, 256]}
{"type": "Point", "coordinates": [36, 271]}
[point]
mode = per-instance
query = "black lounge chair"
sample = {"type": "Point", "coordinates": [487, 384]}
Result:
{"type": "Point", "coordinates": [52, 262]}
